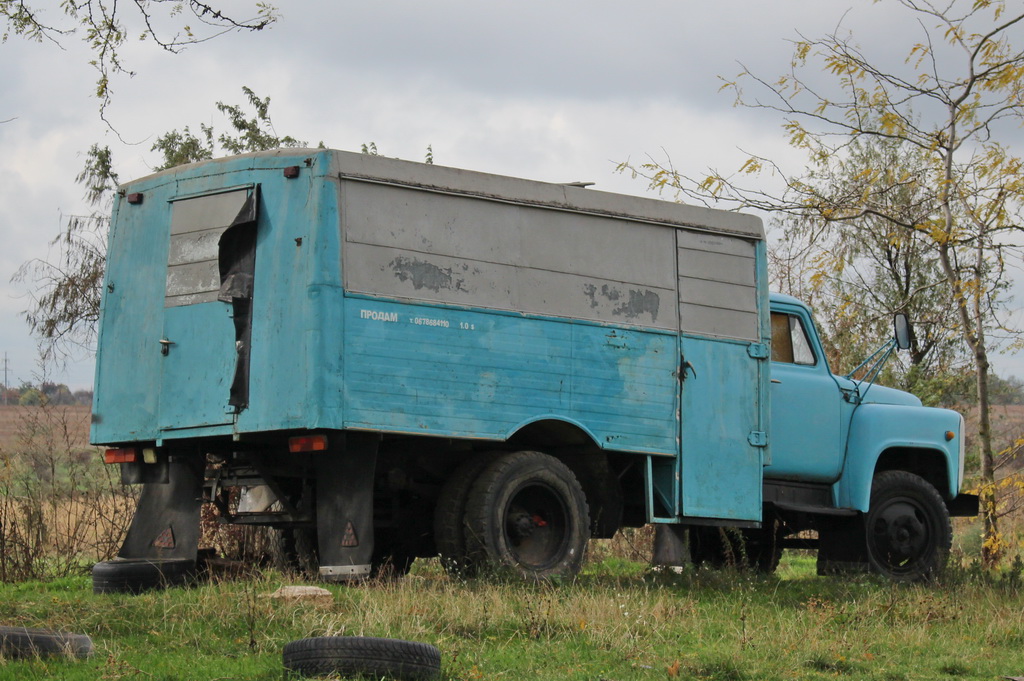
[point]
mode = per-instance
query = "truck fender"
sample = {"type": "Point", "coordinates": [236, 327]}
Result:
{"type": "Point", "coordinates": [879, 428]}
{"type": "Point", "coordinates": [559, 429]}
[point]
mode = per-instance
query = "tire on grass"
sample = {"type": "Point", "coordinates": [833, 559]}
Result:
{"type": "Point", "coordinates": [20, 642]}
{"type": "Point", "coordinates": [907, 528]}
{"type": "Point", "coordinates": [362, 656]}
{"type": "Point", "coordinates": [135, 575]}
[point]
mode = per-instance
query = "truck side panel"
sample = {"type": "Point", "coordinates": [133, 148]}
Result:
{"type": "Point", "coordinates": [443, 371]}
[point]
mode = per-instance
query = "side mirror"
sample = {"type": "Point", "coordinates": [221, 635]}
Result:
{"type": "Point", "coordinates": [903, 333]}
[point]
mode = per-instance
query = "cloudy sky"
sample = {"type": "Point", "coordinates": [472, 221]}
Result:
{"type": "Point", "coordinates": [554, 90]}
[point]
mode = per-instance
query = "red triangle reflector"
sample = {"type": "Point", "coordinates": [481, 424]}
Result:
{"type": "Point", "coordinates": [350, 539]}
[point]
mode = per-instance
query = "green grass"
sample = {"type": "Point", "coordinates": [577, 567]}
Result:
{"type": "Point", "coordinates": [617, 622]}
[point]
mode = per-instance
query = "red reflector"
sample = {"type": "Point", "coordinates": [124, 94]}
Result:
{"type": "Point", "coordinates": [291, 172]}
{"type": "Point", "coordinates": [134, 199]}
{"type": "Point", "coordinates": [950, 435]}
{"type": "Point", "coordinates": [120, 456]}
{"type": "Point", "coordinates": [307, 443]}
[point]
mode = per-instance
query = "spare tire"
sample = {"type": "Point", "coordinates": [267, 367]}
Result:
{"type": "Point", "coordinates": [135, 575]}
{"type": "Point", "coordinates": [363, 656]}
{"type": "Point", "coordinates": [18, 642]}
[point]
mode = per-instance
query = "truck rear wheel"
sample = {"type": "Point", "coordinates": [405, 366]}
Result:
{"type": "Point", "coordinates": [450, 515]}
{"type": "Point", "coordinates": [527, 512]}
{"type": "Point", "coordinates": [908, 529]}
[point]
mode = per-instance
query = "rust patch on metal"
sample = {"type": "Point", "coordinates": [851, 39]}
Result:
{"type": "Point", "coordinates": [630, 305]}
{"type": "Point", "coordinates": [640, 303]}
{"type": "Point", "coordinates": [427, 275]}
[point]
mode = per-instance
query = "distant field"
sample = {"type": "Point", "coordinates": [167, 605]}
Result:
{"type": "Point", "coordinates": [15, 421]}
{"type": "Point", "coordinates": [1007, 430]}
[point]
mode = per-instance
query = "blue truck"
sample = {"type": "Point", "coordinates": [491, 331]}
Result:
{"type": "Point", "coordinates": [385, 360]}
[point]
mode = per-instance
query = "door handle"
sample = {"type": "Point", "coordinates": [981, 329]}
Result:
{"type": "Point", "coordinates": [775, 380]}
{"type": "Point", "coordinates": [165, 346]}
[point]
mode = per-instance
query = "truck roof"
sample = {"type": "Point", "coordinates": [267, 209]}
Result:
{"type": "Point", "coordinates": [447, 180]}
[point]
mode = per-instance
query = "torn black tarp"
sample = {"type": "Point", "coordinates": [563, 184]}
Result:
{"type": "Point", "coordinates": [237, 260]}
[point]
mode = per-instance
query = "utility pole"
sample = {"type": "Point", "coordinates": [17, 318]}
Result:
{"type": "Point", "coordinates": [5, 379]}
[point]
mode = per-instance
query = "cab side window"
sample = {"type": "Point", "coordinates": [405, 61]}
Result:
{"type": "Point", "coordinates": [789, 340]}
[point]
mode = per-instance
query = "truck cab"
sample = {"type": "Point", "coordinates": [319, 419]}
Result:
{"type": "Point", "coordinates": [871, 471]}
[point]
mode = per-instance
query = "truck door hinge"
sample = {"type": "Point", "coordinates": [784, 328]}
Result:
{"type": "Point", "coordinates": [758, 350]}
{"type": "Point", "coordinates": [757, 438]}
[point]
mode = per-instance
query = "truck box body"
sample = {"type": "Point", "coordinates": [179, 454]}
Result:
{"type": "Point", "coordinates": [404, 298]}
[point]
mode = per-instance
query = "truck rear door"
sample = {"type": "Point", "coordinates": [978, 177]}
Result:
{"type": "Point", "coordinates": [203, 348]}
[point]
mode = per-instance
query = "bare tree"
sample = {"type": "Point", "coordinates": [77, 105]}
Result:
{"type": "Point", "coordinates": [105, 27]}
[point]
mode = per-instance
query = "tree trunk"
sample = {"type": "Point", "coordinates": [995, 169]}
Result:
{"type": "Point", "coordinates": [991, 547]}
{"type": "Point", "coordinates": [973, 331]}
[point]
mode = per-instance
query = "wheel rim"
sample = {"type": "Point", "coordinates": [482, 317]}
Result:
{"type": "Point", "coordinates": [901, 535]}
{"type": "Point", "coordinates": [536, 526]}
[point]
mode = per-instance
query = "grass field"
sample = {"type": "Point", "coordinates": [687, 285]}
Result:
{"type": "Point", "coordinates": [618, 622]}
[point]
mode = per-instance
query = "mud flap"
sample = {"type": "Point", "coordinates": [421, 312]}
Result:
{"type": "Point", "coordinates": [842, 545]}
{"type": "Point", "coordinates": [344, 508]}
{"type": "Point", "coordinates": [670, 546]}
{"type": "Point", "coordinates": [166, 521]}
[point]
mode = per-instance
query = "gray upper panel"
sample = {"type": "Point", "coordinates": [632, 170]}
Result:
{"type": "Point", "coordinates": [529, 192]}
{"type": "Point", "coordinates": [416, 245]}
{"type": "Point", "coordinates": [717, 286]}
{"type": "Point", "coordinates": [193, 272]}
{"type": "Point", "coordinates": [449, 236]}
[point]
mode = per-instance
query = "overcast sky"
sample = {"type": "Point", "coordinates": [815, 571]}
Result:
{"type": "Point", "coordinates": [554, 90]}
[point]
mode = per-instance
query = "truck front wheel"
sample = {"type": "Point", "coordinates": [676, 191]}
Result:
{"type": "Point", "coordinates": [527, 512]}
{"type": "Point", "coordinates": [907, 527]}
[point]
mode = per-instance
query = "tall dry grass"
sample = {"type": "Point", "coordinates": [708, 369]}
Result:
{"type": "Point", "coordinates": [61, 509]}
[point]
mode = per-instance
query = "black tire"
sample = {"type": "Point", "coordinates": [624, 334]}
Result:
{"type": "Point", "coordinates": [362, 656]}
{"type": "Point", "coordinates": [450, 514]}
{"type": "Point", "coordinates": [907, 527]}
{"type": "Point", "coordinates": [757, 549]}
{"type": "Point", "coordinates": [527, 512]}
{"type": "Point", "coordinates": [135, 575]}
{"type": "Point", "coordinates": [19, 642]}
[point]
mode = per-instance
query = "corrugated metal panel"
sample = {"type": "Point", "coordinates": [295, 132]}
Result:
{"type": "Point", "coordinates": [717, 286]}
{"type": "Point", "coordinates": [424, 246]}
